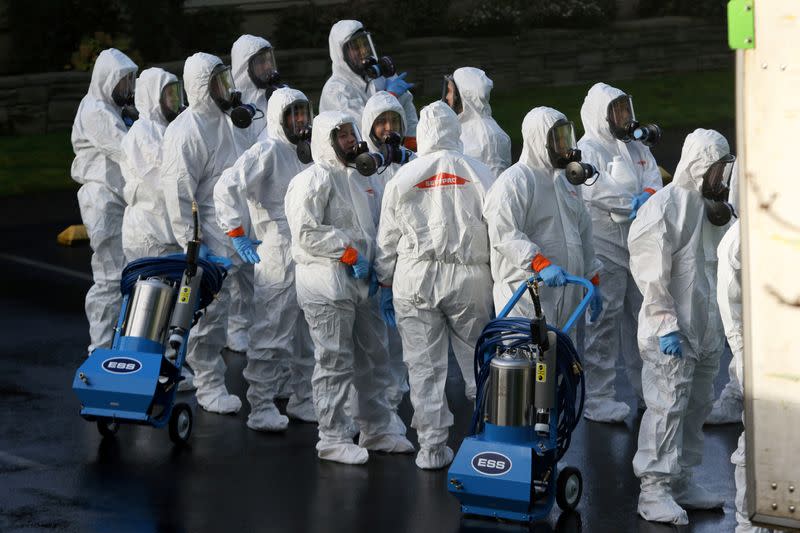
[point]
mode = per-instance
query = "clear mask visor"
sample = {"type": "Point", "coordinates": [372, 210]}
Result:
{"type": "Point", "coordinates": [385, 123]}
{"type": "Point", "coordinates": [296, 119]}
{"type": "Point", "coordinates": [621, 116]}
{"type": "Point", "coordinates": [717, 179]}
{"type": "Point", "coordinates": [124, 89]}
{"type": "Point", "coordinates": [358, 49]}
{"type": "Point", "coordinates": [172, 97]}
{"type": "Point", "coordinates": [261, 66]}
{"type": "Point", "coordinates": [561, 138]}
{"type": "Point", "coordinates": [221, 85]}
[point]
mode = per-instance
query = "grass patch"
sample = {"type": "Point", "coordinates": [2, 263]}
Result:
{"type": "Point", "coordinates": [40, 163]}
{"type": "Point", "coordinates": [700, 99]}
{"type": "Point", "coordinates": [35, 163]}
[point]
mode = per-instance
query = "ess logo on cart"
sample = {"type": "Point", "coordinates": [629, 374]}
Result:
{"type": "Point", "coordinates": [121, 365]}
{"type": "Point", "coordinates": [491, 463]}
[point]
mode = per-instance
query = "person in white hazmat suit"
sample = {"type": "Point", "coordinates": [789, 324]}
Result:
{"type": "Point", "coordinates": [333, 243]}
{"type": "Point", "coordinates": [538, 223]}
{"type": "Point", "coordinates": [728, 408]}
{"type": "Point", "coordinates": [146, 231]}
{"type": "Point", "coordinates": [673, 244]}
{"type": "Point", "coordinates": [252, 62]}
{"type": "Point", "coordinates": [197, 147]}
{"type": "Point", "coordinates": [612, 201]}
{"type": "Point", "coordinates": [97, 134]}
{"type": "Point", "coordinates": [279, 334]}
{"type": "Point", "coordinates": [256, 76]}
{"type": "Point", "coordinates": [433, 265]}
{"type": "Point", "coordinates": [358, 73]}
{"type": "Point", "coordinates": [729, 297]}
{"type": "Point", "coordinates": [383, 115]}
{"type": "Point", "coordinates": [467, 93]}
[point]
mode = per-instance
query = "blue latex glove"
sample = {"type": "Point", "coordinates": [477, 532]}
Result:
{"type": "Point", "coordinates": [223, 262]}
{"type": "Point", "coordinates": [245, 247]}
{"type": "Point", "coordinates": [397, 85]}
{"type": "Point", "coordinates": [637, 202]}
{"type": "Point", "coordinates": [361, 268]}
{"type": "Point", "coordinates": [387, 307]}
{"type": "Point", "coordinates": [204, 251]}
{"type": "Point", "coordinates": [670, 344]}
{"type": "Point", "coordinates": [553, 276]}
{"type": "Point", "coordinates": [595, 304]}
{"type": "Point", "coordinates": [373, 283]}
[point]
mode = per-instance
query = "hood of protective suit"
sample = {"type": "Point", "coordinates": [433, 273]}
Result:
{"type": "Point", "coordinates": [110, 67]}
{"type": "Point", "coordinates": [594, 112]}
{"type": "Point", "coordinates": [340, 33]}
{"type": "Point", "coordinates": [535, 126]}
{"type": "Point", "coordinates": [196, 75]}
{"type": "Point", "coordinates": [242, 50]}
{"type": "Point", "coordinates": [279, 101]}
{"type": "Point", "coordinates": [148, 93]}
{"type": "Point", "coordinates": [378, 103]}
{"type": "Point", "coordinates": [701, 149]}
{"type": "Point", "coordinates": [321, 146]}
{"type": "Point", "coordinates": [474, 86]}
{"type": "Point", "coordinates": [438, 129]}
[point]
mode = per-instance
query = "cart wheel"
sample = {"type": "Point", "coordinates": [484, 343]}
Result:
{"type": "Point", "coordinates": [569, 488]}
{"type": "Point", "coordinates": [107, 428]}
{"type": "Point", "coordinates": [180, 424]}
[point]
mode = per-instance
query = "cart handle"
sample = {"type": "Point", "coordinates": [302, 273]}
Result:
{"type": "Point", "coordinates": [574, 280]}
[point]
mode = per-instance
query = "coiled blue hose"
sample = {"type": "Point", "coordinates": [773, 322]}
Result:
{"type": "Point", "coordinates": [512, 332]}
{"type": "Point", "coordinates": [171, 267]}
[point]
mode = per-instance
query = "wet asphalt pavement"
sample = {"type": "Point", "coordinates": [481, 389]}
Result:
{"type": "Point", "coordinates": [57, 474]}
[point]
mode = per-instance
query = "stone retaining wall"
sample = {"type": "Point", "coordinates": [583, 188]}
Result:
{"type": "Point", "coordinates": [41, 103]}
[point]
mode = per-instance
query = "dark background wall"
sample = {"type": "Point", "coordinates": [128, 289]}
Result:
{"type": "Point", "coordinates": [38, 103]}
{"type": "Point", "coordinates": [47, 47]}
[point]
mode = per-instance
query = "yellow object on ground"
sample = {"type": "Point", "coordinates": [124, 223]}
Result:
{"type": "Point", "coordinates": [73, 235]}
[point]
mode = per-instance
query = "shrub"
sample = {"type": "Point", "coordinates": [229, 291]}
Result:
{"type": "Point", "coordinates": [568, 13]}
{"type": "Point", "coordinates": [84, 57]}
{"type": "Point", "coordinates": [486, 18]}
{"type": "Point", "coordinates": [691, 8]}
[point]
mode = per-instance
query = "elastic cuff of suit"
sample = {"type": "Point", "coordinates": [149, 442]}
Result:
{"type": "Point", "coordinates": [350, 256]}
{"type": "Point", "coordinates": [540, 262]}
{"type": "Point", "coordinates": [410, 143]}
{"type": "Point", "coordinates": [236, 232]}
{"type": "Point", "coordinates": [596, 280]}
{"type": "Point", "coordinates": [651, 191]}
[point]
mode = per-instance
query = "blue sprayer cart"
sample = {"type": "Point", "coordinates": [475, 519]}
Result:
{"type": "Point", "coordinates": [136, 380]}
{"type": "Point", "coordinates": [529, 400]}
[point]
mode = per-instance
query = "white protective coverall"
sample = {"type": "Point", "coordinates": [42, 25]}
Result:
{"type": "Point", "coordinates": [614, 332]}
{"type": "Point", "coordinates": [198, 145]}
{"type": "Point", "coordinates": [433, 249]}
{"type": "Point", "coordinates": [146, 230]}
{"type": "Point", "coordinates": [347, 92]}
{"type": "Point", "coordinates": [533, 210]}
{"type": "Point", "coordinates": [728, 408]}
{"type": "Point", "coordinates": [240, 280]}
{"type": "Point", "coordinates": [379, 103]}
{"type": "Point", "coordinates": [97, 134]}
{"type": "Point", "coordinates": [482, 136]}
{"type": "Point", "coordinates": [279, 333]}
{"type": "Point", "coordinates": [673, 248]}
{"type": "Point", "coordinates": [328, 213]}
